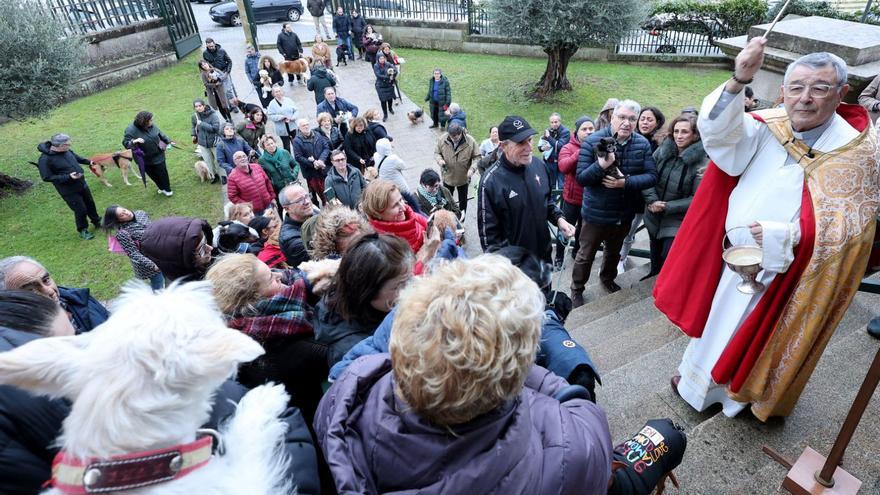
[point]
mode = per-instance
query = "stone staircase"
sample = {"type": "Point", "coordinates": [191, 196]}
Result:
{"type": "Point", "coordinates": [637, 350]}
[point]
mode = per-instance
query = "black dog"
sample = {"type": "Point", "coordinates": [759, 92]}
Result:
{"type": "Point", "coordinates": [342, 54]}
{"type": "Point", "coordinates": [605, 147]}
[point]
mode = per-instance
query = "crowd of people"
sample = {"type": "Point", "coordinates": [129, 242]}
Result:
{"type": "Point", "coordinates": [392, 343]}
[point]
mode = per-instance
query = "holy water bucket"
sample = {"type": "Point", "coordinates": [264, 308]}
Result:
{"type": "Point", "coordinates": [744, 258]}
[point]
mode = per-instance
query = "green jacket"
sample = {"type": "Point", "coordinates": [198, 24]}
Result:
{"type": "Point", "coordinates": [677, 179]}
{"type": "Point", "coordinates": [277, 167]}
{"type": "Point", "coordinates": [444, 93]}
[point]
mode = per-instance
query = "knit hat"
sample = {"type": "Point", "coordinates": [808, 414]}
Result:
{"type": "Point", "coordinates": [59, 139]}
{"type": "Point", "coordinates": [580, 121]}
{"type": "Point", "coordinates": [610, 104]}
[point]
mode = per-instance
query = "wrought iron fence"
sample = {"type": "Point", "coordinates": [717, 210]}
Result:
{"type": "Point", "coordinates": [479, 22]}
{"type": "Point", "coordinates": [88, 16]}
{"type": "Point", "coordinates": [417, 10]}
{"type": "Point", "coordinates": [640, 41]}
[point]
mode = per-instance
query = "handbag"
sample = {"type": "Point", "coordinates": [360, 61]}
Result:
{"type": "Point", "coordinates": [114, 246]}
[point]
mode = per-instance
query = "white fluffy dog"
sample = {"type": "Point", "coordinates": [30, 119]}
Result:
{"type": "Point", "coordinates": [145, 381]}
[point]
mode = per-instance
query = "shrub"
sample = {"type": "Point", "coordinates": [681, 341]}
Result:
{"type": "Point", "coordinates": [39, 63]}
{"type": "Point", "coordinates": [735, 16]}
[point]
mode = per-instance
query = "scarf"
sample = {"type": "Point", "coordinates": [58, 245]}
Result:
{"type": "Point", "coordinates": [433, 199]}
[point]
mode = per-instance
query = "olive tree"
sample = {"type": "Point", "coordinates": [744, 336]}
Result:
{"type": "Point", "coordinates": [39, 62]}
{"type": "Point", "coordinates": [560, 27]}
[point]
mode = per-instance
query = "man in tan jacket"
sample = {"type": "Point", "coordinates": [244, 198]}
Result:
{"type": "Point", "coordinates": [455, 153]}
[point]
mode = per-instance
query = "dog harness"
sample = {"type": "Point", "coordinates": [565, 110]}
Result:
{"type": "Point", "coordinates": [125, 472]}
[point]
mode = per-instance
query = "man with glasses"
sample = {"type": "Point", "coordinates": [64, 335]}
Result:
{"type": "Point", "coordinates": [800, 183]}
{"type": "Point", "coordinates": [614, 166]}
{"type": "Point", "coordinates": [296, 203]}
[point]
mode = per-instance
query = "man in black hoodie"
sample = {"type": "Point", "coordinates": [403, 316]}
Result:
{"type": "Point", "coordinates": [514, 202]}
{"type": "Point", "coordinates": [61, 167]}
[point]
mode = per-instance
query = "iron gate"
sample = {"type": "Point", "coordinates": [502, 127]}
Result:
{"type": "Point", "coordinates": [181, 24]}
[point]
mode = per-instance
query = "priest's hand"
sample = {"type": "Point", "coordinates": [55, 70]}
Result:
{"type": "Point", "coordinates": [757, 233]}
{"type": "Point", "coordinates": [747, 63]}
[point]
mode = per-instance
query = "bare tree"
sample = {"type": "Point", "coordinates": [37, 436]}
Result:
{"type": "Point", "coordinates": [560, 27]}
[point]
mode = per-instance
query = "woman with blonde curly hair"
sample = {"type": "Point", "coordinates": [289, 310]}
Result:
{"type": "Point", "coordinates": [460, 385]}
{"type": "Point", "coordinates": [335, 228]}
{"type": "Point", "coordinates": [276, 309]}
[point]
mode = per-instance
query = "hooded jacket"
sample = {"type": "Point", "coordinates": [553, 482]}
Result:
{"type": "Point", "coordinates": [460, 118]}
{"type": "Point", "coordinates": [390, 165]}
{"type": "Point", "coordinates": [312, 146]}
{"type": "Point", "coordinates": [280, 168]}
{"type": "Point", "coordinates": [171, 243]}
{"type": "Point", "coordinates": [459, 159]}
{"type": "Point", "coordinates": [320, 80]}
{"type": "Point", "coordinates": [572, 192]}
{"type": "Point", "coordinates": [252, 186]}
{"type": "Point", "coordinates": [677, 181]}
{"type": "Point", "coordinates": [606, 206]}
{"type": "Point", "coordinates": [206, 127]}
{"type": "Point", "coordinates": [532, 444]}
{"type": "Point", "coordinates": [56, 167]}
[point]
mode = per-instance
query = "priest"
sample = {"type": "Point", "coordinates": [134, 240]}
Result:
{"type": "Point", "coordinates": [803, 182]}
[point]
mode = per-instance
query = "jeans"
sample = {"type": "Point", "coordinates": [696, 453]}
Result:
{"type": "Point", "coordinates": [462, 192]}
{"type": "Point", "coordinates": [157, 282]}
{"type": "Point", "coordinates": [340, 39]}
{"type": "Point", "coordinates": [592, 236]}
{"type": "Point", "coordinates": [83, 206]}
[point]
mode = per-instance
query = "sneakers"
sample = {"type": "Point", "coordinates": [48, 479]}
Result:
{"type": "Point", "coordinates": [166, 193]}
{"type": "Point", "coordinates": [85, 235]}
{"type": "Point", "coordinates": [621, 267]}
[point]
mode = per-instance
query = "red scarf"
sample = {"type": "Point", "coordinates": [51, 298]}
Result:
{"type": "Point", "coordinates": [411, 229]}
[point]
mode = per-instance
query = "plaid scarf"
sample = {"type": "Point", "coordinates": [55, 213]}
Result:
{"type": "Point", "coordinates": [286, 313]}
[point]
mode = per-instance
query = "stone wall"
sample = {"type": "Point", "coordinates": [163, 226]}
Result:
{"type": "Point", "coordinates": [125, 53]}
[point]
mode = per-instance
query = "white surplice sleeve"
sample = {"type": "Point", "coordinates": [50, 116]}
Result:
{"type": "Point", "coordinates": [730, 136]}
{"type": "Point", "coordinates": [780, 238]}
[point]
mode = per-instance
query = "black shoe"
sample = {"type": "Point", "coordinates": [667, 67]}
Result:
{"type": "Point", "coordinates": [577, 299]}
{"type": "Point", "coordinates": [874, 328]}
{"type": "Point", "coordinates": [223, 180]}
{"type": "Point", "coordinates": [433, 126]}
{"type": "Point", "coordinates": [385, 118]}
{"type": "Point", "coordinates": [391, 111]}
{"type": "Point", "coordinates": [215, 180]}
{"type": "Point", "coordinates": [611, 287]}
{"type": "Point", "coordinates": [646, 277]}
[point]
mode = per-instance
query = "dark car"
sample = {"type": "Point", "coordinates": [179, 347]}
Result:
{"type": "Point", "coordinates": [381, 5]}
{"type": "Point", "coordinates": [226, 13]}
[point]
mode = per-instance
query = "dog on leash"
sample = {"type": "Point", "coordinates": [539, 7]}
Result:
{"type": "Point", "coordinates": [121, 159]}
{"type": "Point", "coordinates": [142, 384]}
{"type": "Point", "coordinates": [298, 67]}
{"type": "Point", "coordinates": [202, 171]}
{"type": "Point", "coordinates": [416, 116]}
{"type": "Point", "coordinates": [342, 54]}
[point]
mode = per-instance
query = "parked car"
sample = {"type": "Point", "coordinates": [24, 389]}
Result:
{"type": "Point", "coordinates": [226, 13]}
{"type": "Point", "coordinates": [382, 5]}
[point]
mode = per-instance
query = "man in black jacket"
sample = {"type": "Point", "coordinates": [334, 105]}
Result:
{"type": "Point", "coordinates": [289, 46]}
{"type": "Point", "coordinates": [61, 167]}
{"type": "Point", "coordinates": [296, 202]}
{"type": "Point", "coordinates": [514, 203]}
{"type": "Point", "coordinates": [215, 55]}
{"type": "Point", "coordinates": [342, 27]}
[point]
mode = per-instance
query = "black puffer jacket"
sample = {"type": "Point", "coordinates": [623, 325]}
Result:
{"type": "Point", "coordinates": [218, 59]}
{"type": "Point", "coordinates": [606, 206]}
{"type": "Point", "coordinates": [56, 168]}
{"type": "Point", "coordinates": [384, 82]}
{"type": "Point", "coordinates": [29, 425]}
{"type": "Point", "coordinates": [171, 243]}
{"type": "Point", "coordinates": [338, 334]}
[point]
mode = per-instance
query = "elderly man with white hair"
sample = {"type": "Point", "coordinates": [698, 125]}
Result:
{"type": "Point", "coordinates": [615, 165]}
{"type": "Point", "coordinates": [294, 200]}
{"type": "Point", "coordinates": [282, 112]}
{"type": "Point", "coordinates": [24, 273]}
{"type": "Point", "coordinates": [800, 184]}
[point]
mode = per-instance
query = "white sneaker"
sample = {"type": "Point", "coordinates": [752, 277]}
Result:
{"type": "Point", "coordinates": [159, 191]}
{"type": "Point", "coordinates": [168, 193]}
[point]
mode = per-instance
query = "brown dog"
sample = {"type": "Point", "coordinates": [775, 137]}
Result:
{"type": "Point", "coordinates": [416, 116]}
{"type": "Point", "coordinates": [121, 159]}
{"type": "Point", "coordinates": [296, 67]}
{"type": "Point", "coordinates": [202, 171]}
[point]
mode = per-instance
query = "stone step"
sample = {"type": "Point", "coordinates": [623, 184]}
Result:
{"type": "Point", "coordinates": [600, 303]}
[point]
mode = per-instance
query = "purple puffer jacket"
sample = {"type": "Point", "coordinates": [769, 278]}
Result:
{"type": "Point", "coordinates": [533, 445]}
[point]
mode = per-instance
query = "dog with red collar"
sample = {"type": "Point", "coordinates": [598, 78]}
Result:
{"type": "Point", "coordinates": [141, 385]}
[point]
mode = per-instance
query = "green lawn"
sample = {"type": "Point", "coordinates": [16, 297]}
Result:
{"type": "Point", "coordinates": [489, 87]}
{"type": "Point", "coordinates": [40, 225]}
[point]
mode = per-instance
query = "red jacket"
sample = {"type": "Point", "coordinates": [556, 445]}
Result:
{"type": "Point", "coordinates": [572, 192]}
{"type": "Point", "coordinates": [254, 187]}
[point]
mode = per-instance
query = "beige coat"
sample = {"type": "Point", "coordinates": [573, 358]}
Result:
{"type": "Point", "coordinates": [321, 53]}
{"type": "Point", "coordinates": [457, 160]}
{"type": "Point", "coordinates": [871, 99]}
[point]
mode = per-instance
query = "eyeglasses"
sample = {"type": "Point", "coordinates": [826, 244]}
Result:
{"type": "Point", "coordinates": [341, 159]}
{"type": "Point", "coordinates": [817, 91]}
{"type": "Point", "coordinates": [301, 201]}
{"type": "Point", "coordinates": [631, 120]}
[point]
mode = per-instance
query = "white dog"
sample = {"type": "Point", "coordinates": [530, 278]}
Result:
{"type": "Point", "coordinates": [144, 382]}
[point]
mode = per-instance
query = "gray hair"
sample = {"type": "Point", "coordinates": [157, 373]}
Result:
{"type": "Point", "coordinates": [630, 104]}
{"type": "Point", "coordinates": [282, 195]}
{"type": "Point", "coordinates": [819, 60]}
{"type": "Point", "coordinates": [454, 108]}
{"type": "Point", "coordinates": [329, 88]}
{"type": "Point", "coordinates": [556, 114]}
{"type": "Point", "coordinates": [229, 125]}
{"type": "Point", "coordinates": [9, 263]}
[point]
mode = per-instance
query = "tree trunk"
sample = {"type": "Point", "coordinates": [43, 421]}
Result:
{"type": "Point", "coordinates": [554, 78]}
{"type": "Point", "coordinates": [9, 184]}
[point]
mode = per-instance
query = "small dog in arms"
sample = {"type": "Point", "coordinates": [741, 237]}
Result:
{"type": "Point", "coordinates": [153, 369]}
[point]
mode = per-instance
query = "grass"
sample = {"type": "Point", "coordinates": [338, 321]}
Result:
{"type": "Point", "coordinates": [489, 87]}
{"type": "Point", "coordinates": [39, 224]}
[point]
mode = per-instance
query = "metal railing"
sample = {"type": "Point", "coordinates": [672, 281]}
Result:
{"type": "Point", "coordinates": [640, 41]}
{"type": "Point", "coordinates": [417, 10]}
{"type": "Point", "coordinates": [479, 22]}
{"type": "Point", "coordinates": [89, 16]}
